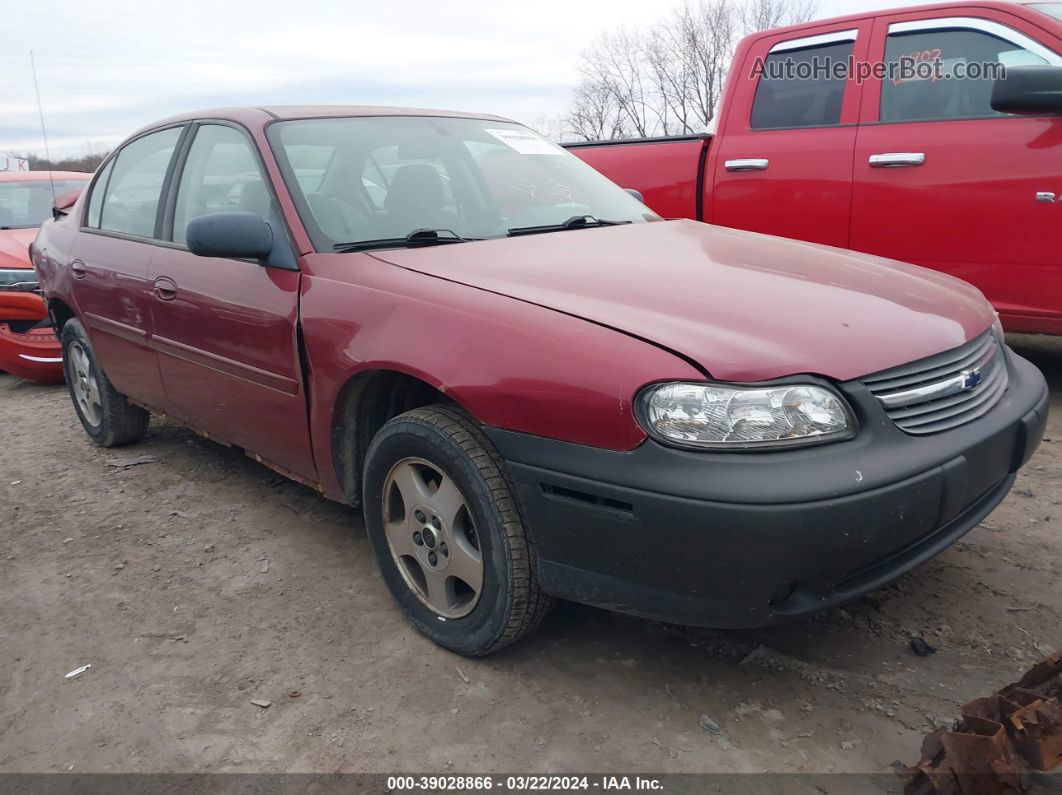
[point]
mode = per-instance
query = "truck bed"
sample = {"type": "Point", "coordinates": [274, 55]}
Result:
{"type": "Point", "coordinates": [668, 186]}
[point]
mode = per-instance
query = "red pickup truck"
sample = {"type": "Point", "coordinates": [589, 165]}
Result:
{"type": "Point", "coordinates": [534, 386]}
{"type": "Point", "coordinates": [922, 166]}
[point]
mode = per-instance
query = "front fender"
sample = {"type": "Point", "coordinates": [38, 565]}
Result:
{"type": "Point", "coordinates": [508, 363]}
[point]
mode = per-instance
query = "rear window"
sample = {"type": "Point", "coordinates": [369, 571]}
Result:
{"type": "Point", "coordinates": [800, 88]}
{"type": "Point", "coordinates": [28, 203]}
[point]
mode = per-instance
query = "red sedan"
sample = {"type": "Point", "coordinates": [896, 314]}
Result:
{"type": "Point", "coordinates": [533, 385]}
{"type": "Point", "coordinates": [28, 345]}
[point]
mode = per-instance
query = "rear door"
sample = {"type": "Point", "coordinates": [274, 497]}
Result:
{"type": "Point", "coordinates": [944, 181]}
{"type": "Point", "coordinates": [226, 329]}
{"type": "Point", "coordinates": [783, 161]}
{"type": "Point", "coordinates": [111, 257]}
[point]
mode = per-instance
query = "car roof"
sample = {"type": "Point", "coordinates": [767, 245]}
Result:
{"type": "Point", "coordinates": [30, 176]}
{"type": "Point", "coordinates": [260, 116]}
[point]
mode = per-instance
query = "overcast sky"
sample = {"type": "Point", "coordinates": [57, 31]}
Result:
{"type": "Point", "coordinates": [108, 67]}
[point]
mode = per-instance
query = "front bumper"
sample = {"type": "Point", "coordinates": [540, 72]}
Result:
{"type": "Point", "coordinates": [751, 539]}
{"type": "Point", "coordinates": [35, 352]}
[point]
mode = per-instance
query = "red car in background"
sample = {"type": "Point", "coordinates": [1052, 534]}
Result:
{"type": "Point", "coordinates": [28, 345]}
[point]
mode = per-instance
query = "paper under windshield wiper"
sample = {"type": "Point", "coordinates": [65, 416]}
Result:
{"type": "Point", "coordinates": [416, 238]}
{"type": "Point", "coordinates": [575, 222]}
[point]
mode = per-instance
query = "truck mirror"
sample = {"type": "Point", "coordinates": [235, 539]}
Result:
{"type": "Point", "coordinates": [636, 194]}
{"type": "Point", "coordinates": [1029, 91]}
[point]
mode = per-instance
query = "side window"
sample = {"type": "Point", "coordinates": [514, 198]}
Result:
{"type": "Point", "coordinates": [131, 200]}
{"type": "Point", "coordinates": [802, 87]}
{"type": "Point", "coordinates": [956, 80]}
{"type": "Point", "coordinates": [96, 199]}
{"type": "Point", "coordinates": [221, 174]}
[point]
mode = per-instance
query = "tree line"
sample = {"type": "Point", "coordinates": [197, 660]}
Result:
{"type": "Point", "coordinates": [87, 163]}
{"type": "Point", "coordinates": [667, 79]}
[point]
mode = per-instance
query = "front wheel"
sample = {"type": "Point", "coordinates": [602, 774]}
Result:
{"type": "Point", "coordinates": [448, 534]}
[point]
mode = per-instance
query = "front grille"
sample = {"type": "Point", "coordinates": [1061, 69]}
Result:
{"type": "Point", "coordinates": [943, 391]}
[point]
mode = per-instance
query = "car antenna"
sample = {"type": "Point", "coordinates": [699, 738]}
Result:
{"type": "Point", "coordinates": [44, 132]}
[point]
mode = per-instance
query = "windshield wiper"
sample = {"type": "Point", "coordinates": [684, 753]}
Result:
{"type": "Point", "coordinates": [575, 222]}
{"type": "Point", "coordinates": [415, 239]}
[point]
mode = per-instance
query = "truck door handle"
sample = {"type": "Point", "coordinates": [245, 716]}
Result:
{"type": "Point", "coordinates": [78, 269]}
{"type": "Point", "coordinates": [165, 288]}
{"type": "Point", "coordinates": [748, 164]}
{"type": "Point", "coordinates": [898, 160]}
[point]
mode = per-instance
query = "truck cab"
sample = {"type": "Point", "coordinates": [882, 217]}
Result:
{"type": "Point", "coordinates": [918, 167]}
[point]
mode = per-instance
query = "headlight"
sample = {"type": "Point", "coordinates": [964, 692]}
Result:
{"type": "Point", "coordinates": [737, 417]}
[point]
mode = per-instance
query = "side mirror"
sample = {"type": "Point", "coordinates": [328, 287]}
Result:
{"type": "Point", "coordinates": [1029, 91]}
{"type": "Point", "coordinates": [231, 235]}
{"type": "Point", "coordinates": [636, 194]}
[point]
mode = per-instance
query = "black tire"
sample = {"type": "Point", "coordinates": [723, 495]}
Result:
{"type": "Point", "coordinates": [119, 421]}
{"type": "Point", "coordinates": [510, 603]}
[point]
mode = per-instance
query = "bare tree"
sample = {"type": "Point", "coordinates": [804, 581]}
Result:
{"type": "Point", "coordinates": [594, 115]}
{"type": "Point", "coordinates": [757, 15]}
{"type": "Point", "coordinates": [669, 78]}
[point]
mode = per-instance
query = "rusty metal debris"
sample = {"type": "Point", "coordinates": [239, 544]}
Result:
{"type": "Point", "coordinates": [1001, 741]}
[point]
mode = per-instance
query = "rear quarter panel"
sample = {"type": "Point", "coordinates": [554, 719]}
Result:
{"type": "Point", "coordinates": [51, 256]}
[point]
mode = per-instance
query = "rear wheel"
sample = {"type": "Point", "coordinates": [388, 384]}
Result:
{"type": "Point", "coordinates": [447, 532]}
{"type": "Point", "coordinates": [107, 416]}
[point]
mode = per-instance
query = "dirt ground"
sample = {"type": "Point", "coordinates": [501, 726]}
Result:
{"type": "Point", "coordinates": [196, 583]}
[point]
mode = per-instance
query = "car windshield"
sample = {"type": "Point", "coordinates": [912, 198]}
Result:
{"type": "Point", "coordinates": [1051, 9]}
{"type": "Point", "coordinates": [28, 203]}
{"type": "Point", "coordinates": [380, 179]}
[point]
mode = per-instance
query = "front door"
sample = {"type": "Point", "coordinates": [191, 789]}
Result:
{"type": "Point", "coordinates": [944, 181]}
{"type": "Point", "coordinates": [225, 329]}
{"type": "Point", "coordinates": [111, 259]}
{"type": "Point", "coordinates": [783, 163]}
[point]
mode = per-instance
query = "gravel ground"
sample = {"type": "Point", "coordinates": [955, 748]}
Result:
{"type": "Point", "coordinates": [200, 581]}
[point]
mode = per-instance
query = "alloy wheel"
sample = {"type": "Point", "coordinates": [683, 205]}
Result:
{"type": "Point", "coordinates": [83, 384]}
{"type": "Point", "coordinates": [432, 537]}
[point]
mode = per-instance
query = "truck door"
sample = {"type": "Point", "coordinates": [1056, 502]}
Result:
{"type": "Point", "coordinates": [944, 181]}
{"type": "Point", "coordinates": [782, 164]}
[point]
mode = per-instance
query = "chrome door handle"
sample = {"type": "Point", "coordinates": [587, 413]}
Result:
{"type": "Point", "coordinates": [165, 289]}
{"type": "Point", "coordinates": [78, 269]}
{"type": "Point", "coordinates": [897, 160]}
{"type": "Point", "coordinates": [747, 164]}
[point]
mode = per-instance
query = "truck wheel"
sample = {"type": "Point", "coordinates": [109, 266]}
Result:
{"type": "Point", "coordinates": [448, 534]}
{"type": "Point", "coordinates": [107, 416]}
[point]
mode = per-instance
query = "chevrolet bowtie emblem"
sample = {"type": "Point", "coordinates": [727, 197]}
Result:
{"type": "Point", "coordinates": [970, 379]}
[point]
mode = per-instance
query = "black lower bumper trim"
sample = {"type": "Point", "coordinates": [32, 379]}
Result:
{"type": "Point", "coordinates": [707, 548]}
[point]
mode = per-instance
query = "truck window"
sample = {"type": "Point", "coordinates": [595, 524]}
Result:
{"type": "Point", "coordinates": [801, 88]}
{"type": "Point", "coordinates": [960, 87]}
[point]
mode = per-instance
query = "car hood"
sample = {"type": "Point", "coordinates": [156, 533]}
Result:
{"type": "Point", "coordinates": [744, 306]}
{"type": "Point", "coordinates": [14, 247]}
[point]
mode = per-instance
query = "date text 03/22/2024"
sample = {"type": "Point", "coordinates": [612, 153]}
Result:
{"type": "Point", "coordinates": [537, 783]}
